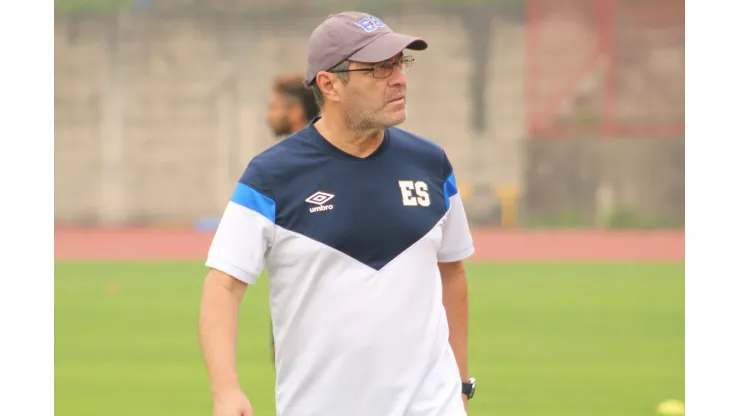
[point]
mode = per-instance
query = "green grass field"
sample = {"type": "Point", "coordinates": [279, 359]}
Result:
{"type": "Point", "coordinates": [575, 339]}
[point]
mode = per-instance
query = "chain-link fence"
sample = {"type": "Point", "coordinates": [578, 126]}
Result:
{"type": "Point", "coordinates": [159, 105]}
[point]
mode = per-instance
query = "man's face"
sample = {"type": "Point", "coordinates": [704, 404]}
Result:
{"type": "Point", "coordinates": [279, 111]}
{"type": "Point", "coordinates": [375, 102]}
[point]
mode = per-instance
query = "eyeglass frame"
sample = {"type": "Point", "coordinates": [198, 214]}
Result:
{"type": "Point", "coordinates": [406, 59]}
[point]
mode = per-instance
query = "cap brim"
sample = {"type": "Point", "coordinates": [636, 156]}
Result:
{"type": "Point", "coordinates": [386, 47]}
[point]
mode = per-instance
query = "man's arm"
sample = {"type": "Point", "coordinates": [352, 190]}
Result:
{"type": "Point", "coordinates": [222, 295]}
{"type": "Point", "coordinates": [455, 300]}
{"type": "Point", "coordinates": [236, 258]}
{"type": "Point", "coordinates": [457, 244]}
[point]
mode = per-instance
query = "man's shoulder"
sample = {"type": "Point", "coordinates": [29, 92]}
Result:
{"type": "Point", "coordinates": [285, 150]}
{"type": "Point", "coordinates": [416, 143]}
{"type": "Point", "coordinates": [274, 161]}
{"type": "Point", "coordinates": [421, 149]}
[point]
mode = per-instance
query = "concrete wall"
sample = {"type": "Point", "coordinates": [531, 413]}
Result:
{"type": "Point", "coordinates": [588, 182]}
{"type": "Point", "coordinates": [157, 116]}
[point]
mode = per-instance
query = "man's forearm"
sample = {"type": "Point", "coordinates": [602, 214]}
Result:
{"type": "Point", "coordinates": [455, 300]}
{"type": "Point", "coordinates": [218, 329]}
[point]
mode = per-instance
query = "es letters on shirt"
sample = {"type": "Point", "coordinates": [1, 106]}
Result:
{"type": "Point", "coordinates": [414, 193]}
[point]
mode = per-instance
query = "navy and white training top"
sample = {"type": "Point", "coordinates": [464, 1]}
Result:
{"type": "Point", "coordinates": [351, 247]}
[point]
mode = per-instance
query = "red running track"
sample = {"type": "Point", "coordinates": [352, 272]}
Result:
{"type": "Point", "coordinates": [188, 244]}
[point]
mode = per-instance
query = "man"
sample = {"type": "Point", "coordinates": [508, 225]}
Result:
{"type": "Point", "coordinates": [291, 107]}
{"type": "Point", "coordinates": [362, 231]}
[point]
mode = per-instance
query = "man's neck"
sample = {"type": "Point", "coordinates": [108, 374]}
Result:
{"type": "Point", "coordinates": [356, 143]}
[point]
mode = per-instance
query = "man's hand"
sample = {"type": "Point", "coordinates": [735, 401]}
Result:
{"type": "Point", "coordinates": [465, 402]}
{"type": "Point", "coordinates": [231, 403]}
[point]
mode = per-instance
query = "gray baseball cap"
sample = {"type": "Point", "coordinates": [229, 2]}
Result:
{"type": "Point", "coordinates": [355, 36]}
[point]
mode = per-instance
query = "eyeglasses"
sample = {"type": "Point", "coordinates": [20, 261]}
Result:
{"type": "Point", "coordinates": [384, 69]}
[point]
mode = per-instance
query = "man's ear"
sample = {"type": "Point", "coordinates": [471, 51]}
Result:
{"type": "Point", "coordinates": [329, 85]}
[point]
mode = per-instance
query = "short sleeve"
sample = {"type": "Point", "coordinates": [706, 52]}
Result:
{"type": "Point", "coordinates": [246, 230]}
{"type": "Point", "coordinates": [457, 241]}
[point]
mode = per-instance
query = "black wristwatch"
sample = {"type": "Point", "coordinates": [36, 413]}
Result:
{"type": "Point", "coordinates": [468, 388]}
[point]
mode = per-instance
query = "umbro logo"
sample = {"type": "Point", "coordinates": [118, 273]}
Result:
{"type": "Point", "coordinates": [319, 199]}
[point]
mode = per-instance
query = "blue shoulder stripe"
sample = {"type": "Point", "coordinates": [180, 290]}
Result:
{"type": "Point", "coordinates": [250, 198]}
{"type": "Point", "coordinates": [450, 189]}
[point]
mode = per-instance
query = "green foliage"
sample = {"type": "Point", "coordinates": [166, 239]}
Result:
{"type": "Point", "coordinates": [562, 219]}
{"type": "Point", "coordinates": [81, 6]}
{"type": "Point", "coordinates": [619, 219]}
{"type": "Point", "coordinates": [624, 218]}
